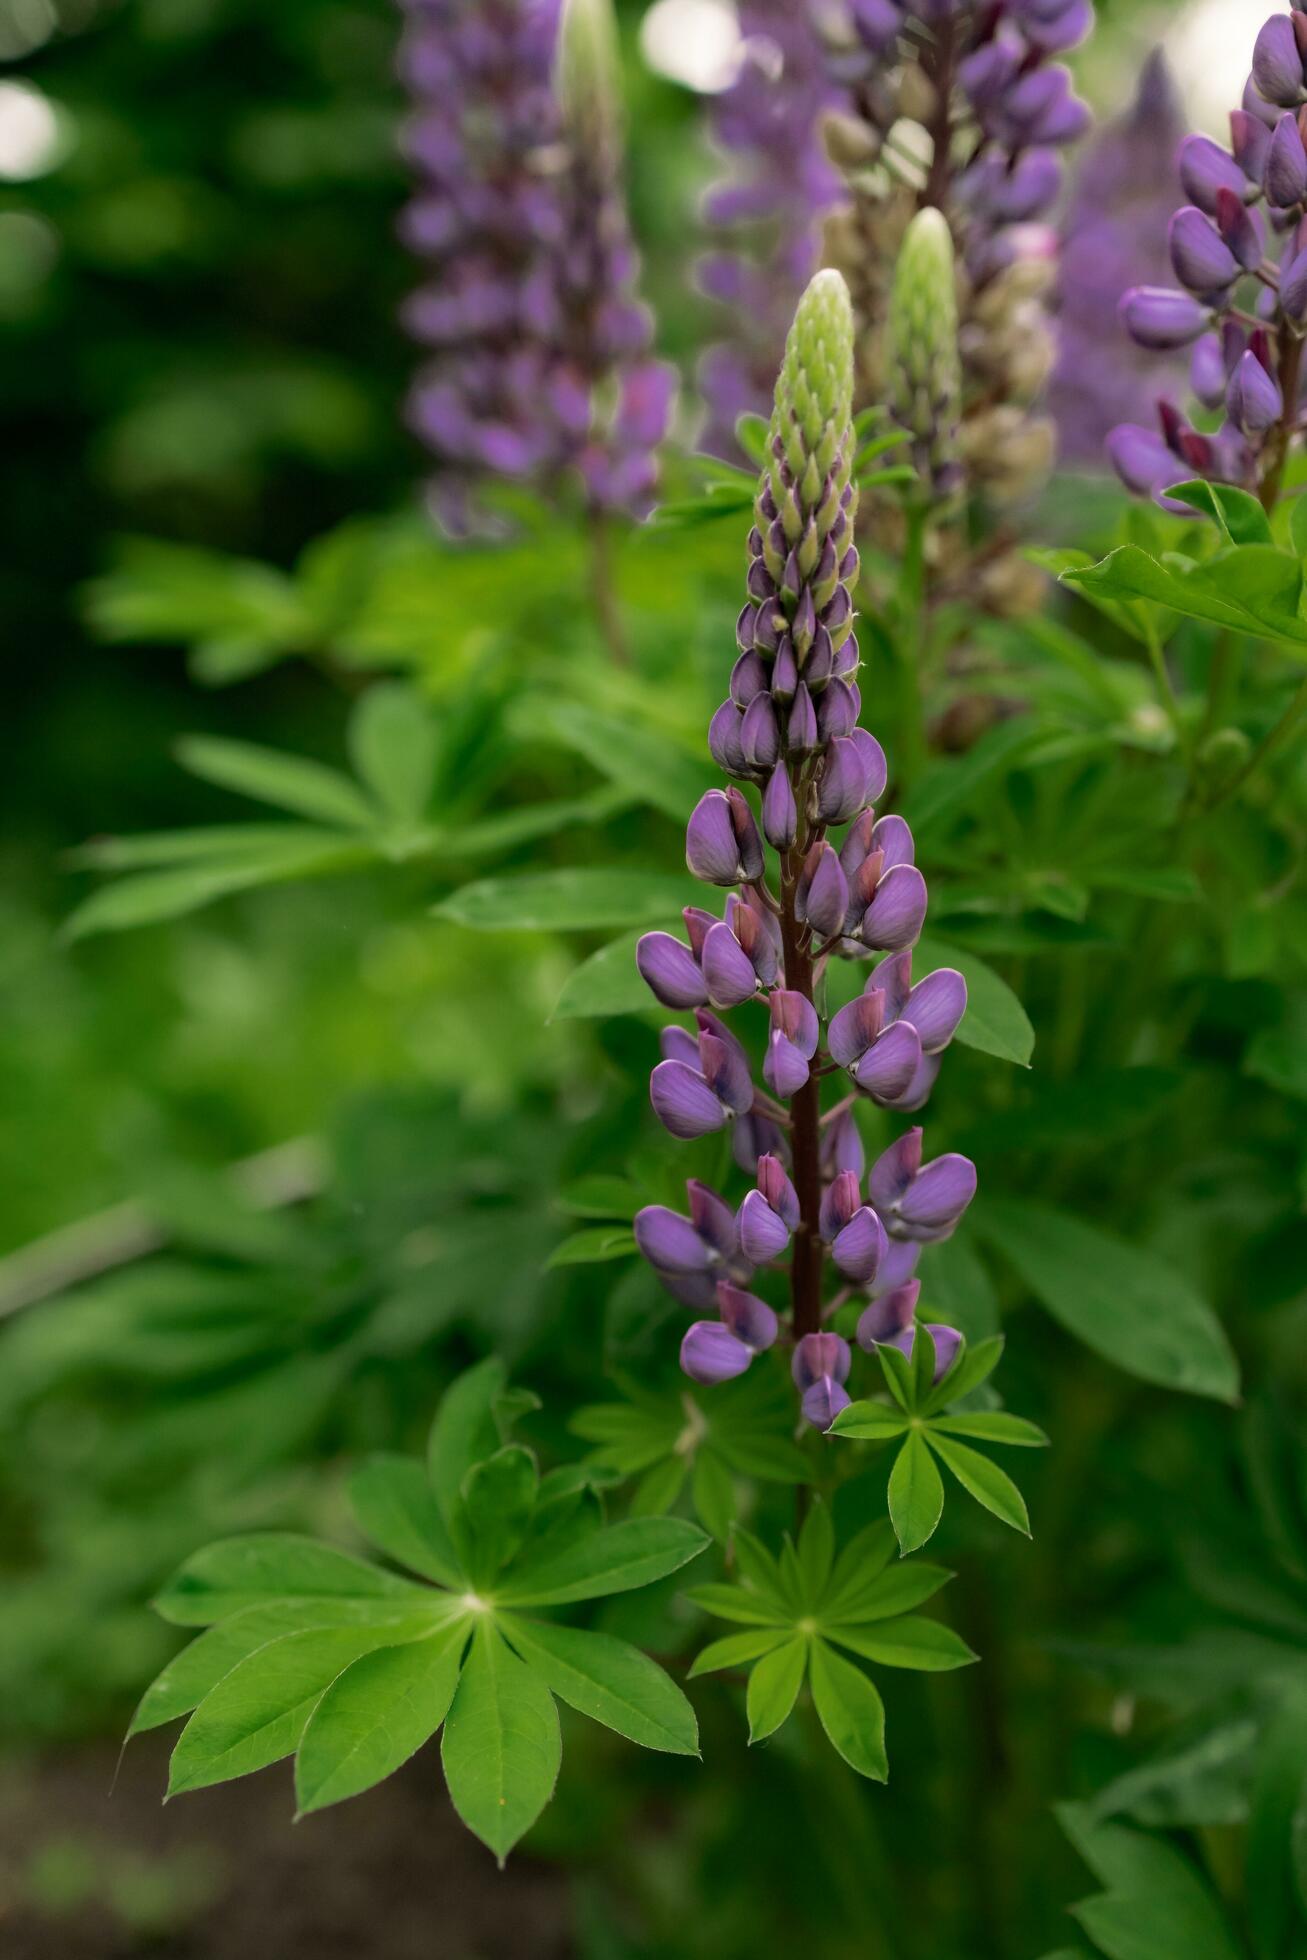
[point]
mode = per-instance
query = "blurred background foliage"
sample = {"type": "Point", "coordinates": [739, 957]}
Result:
{"type": "Point", "coordinates": [278, 1162]}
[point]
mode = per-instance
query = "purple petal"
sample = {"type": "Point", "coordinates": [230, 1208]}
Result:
{"type": "Point", "coordinates": [1206, 168]}
{"type": "Point", "coordinates": [712, 851]}
{"type": "Point", "coordinates": [764, 1235]}
{"type": "Point", "coordinates": [1277, 63]}
{"type": "Point", "coordinates": [785, 1068]}
{"type": "Point", "coordinates": [727, 968]}
{"type": "Point", "coordinates": [710, 1353]}
{"type": "Point", "coordinates": [938, 1196]}
{"type": "Point", "coordinates": [947, 1342]}
{"type": "Point", "coordinates": [873, 761]}
{"type": "Point", "coordinates": [679, 1045]}
{"type": "Point", "coordinates": [893, 1172]}
{"type": "Point", "coordinates": [823, 1401]}
{"type": "Point", "coordinates": [725, 1068]}
{"type": "Point", "coordinates": [670, 970]}
{"type": "Point", "coordinates": [839, 1202]}
{"type": "Point", "coordinates": [856, 1027]}
{"type": "Point", "coordinates": [712, 1218]}
{"type": "Point", "coordinates": [892, 838]}
{"type": "Point", "coordinates": [669, 1241]}
{"type": "Point", "coordinates": [888, 1315]}
{"type": "Point", "coordinates": [918, 1090]}
{"type": "Point", "coordinates": [1201, 259]}
{"type": "Point", "coordinates": [889, 1065]}
{"type": "Point", "coordinates": [935, 1006]}
{"type": "Point", "coordinates": [896, 913]}
{"type": "Point", "coordinates": [860, 1247]}
{"type": "Point", "coordinates": [750, 1319]}
{"type": "Point", "coordinates": [823, 891]}
{"type": "Point", "coordinates": [1159, 318]}
{"type": "Point", "coordinates": [842, 788]}
{"type": "Point", "coordinates": [841, 1147]}
{"type": "Point", "coordinates": [776, 1188]}
{"type": "Point", "coordinates": [684, 1103]}
{"type": "Point", "coordinates": [780, 818]}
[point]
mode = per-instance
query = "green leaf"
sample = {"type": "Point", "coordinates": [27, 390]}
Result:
{"type": "Point", "coordinates": [1238, 515]}
{"type": "Point", "coordinates": [202, 1663]}
{"type": "Point", "coordinates": [897, 1370]}
{"type": "Point", "coordinates": [713, 1491]}
{"type": "Point", "coordinates": [884, 1595]}
{"type": "Point", "coordinates": [392, 744]}
{"type": "Point", "coordinates": [499, 1495]}
{"type": "Point", "coordinates": [507, 830]}
{"type": "Point", "coordinates": [607, 983]}
{"type": "Point", "coordinates": [861, 1563]}
{"type": "Point", "coordinates": [272, 1565]}
{"type": "Point", "coordinates": [737, 1650]}
{"type": "Point", "coordinates": [617, 1558]}
{"type": "Point", "coordinates": [988, 1484]}
{"type": "Point", "coordinates": [578, 900]}
{"type": "Point", "coordinates": [869, 1422]}
{"type": "Point", "coordinates": [257, 1713]}
{"type": "Point", "coordinates": [1279, 1788]}
{"type": "Point", "coordinates": [995, 1021]}
{"type": "Point", "coordinates": [916, 1494]}
{"type": "Point", "coordinates": [850, 1711]}
{"type": "Point", "coordinates": [1156, 1906]}
{"type": "Point", "coordinates": [816, 1551]}
{"type": "Point", "coordinates": [158, 895]}
{"type": "Point", "coordinates": [464, 1432]}
{"type": "Point", "coordinates": [971, 1366]}
{"type": "Point", "coordinates": [913, 1641]}
{"type": "Point", "coordinates": [1298, 525]}
{"type": "Point", "coordinates": [734, 1603]}
{"type": "Point", "coordinates": [659, 1488]}
{"type": "Point", "coordinates": [375, 1715]}
{"type": "Point", "coordinates": [1127, 1304]}
{"type": "Point", "coordinates": [593, 1247]}
{"type": "Point", "coordinates": [991, 1426]}
{"type": "Point", "coordinates": [230, 842]}
{"type": "Point", "coordinates": [951, 785]}
{"type": "Point", "coordinates": [922, 1364]}
{"type": "Point", "coordinates": [1252, 588]}
{"type": "Point", "coordinates": [635, 755]}
{"type": "Point", "coordinates": [288, 782]}
{"type": "Point", "coordinates": [774, 1687]}
{"type": "Point", "coordinates": [392, 1498]}
{"type": "Point", "coordinates": [501, 1747]}
{"type": "Point", "coordinates": [611, 1682]}
{"type": "Point", "coordinates": [601, 1196]}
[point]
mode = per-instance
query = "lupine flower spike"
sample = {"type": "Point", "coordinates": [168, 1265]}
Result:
{"type": "Point", "coordinates": [1238, 249]}
{"type": "Point", "coordinates": [841, 883]}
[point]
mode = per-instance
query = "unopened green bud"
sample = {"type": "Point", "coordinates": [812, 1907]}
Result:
{"type": "Point", "coordinates": [588, 76]}
{"type": "Point", "coordinates": [924, 370]}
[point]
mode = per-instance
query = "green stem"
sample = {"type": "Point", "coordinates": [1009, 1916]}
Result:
{"type": "Point", "coordinates": [908, 644]}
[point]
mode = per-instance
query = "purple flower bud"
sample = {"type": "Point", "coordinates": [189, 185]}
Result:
{"type": "Point", "coordinates": [1141, 458]}
{"type": "Point", "coordinates": [1293, 289]}
{"type": "Point", "coordinates": [777, 1189]}
{"type": "Point", "coordinates": [725, 1068]}
{"type": "Point", "coordinates": [758, 934]}
{"type": "Point", "coordinates": [670, 1241]}
{"type": "Point", "coordinates": [1241, 229]}
{"type": "Point", "coordinates": [1253, 400]}
{"type": "Point", "coordinates": [724, 741]}
{"type": "Point", "coordinates": [1158, 317]}
{"type": "Point", "coordinates": [679, 1045]}
{"type": "Point", "coordinates": [886, 1071]}
{"type": "Point", "coordinates": [1200, 256]}
{"type": "Point", "coordinates": [750, 1319]}
{"type": "Point", "coordinates": [892, 838]}
{"type": "Point", "coordinates": [1207, 378]}
{"type": "Point", "coordinates": [837, 714]}
{"type": "Point", "coordinates": [841, 1147]}
{"type": "Point", "coordinates": [947, 1342]}
{"type": "Point", "coordinates": [1250, 139]}
{"type": "Point", "coordinates": [820, 1354]}
{"type": "Point", "coordinates": [1277, 62]}
{"type": "Point", "coordinates": [711, 1353]}
{"type": "Point", "coordinates": [823, 1401]}
{"type": "Point", "coordinates": [842, 788]}
{"type": "Point", "coordinates": [722, 845]}
{"type": "Point", "coordinates": [801, 725]}
{"type": "Point", "coordinates": [784, 1068]}
{"type": "Point", "coordinates": [853, 1030]}
{"type": "Point", "coordinates": [670, 970]}
{"type": "Point", "coordinates": [759, 736]}
{"type": "Point", "coordinates": [873, 758]}
{"type": "Point", "coordinates": [860, 1247]}
{"type": "Point", "coordinates": [780, 818]}
{"type": "Point", "coordinates": [823, 894]}
{"type": "Point", "coordinates": [1286, 164]}
{"type": "Point", "coordinates": [1205, 168]}
{"type": "Point", "coordinates": [748, 675]}
{"type": "Point", "coordinates": [888, 1315]}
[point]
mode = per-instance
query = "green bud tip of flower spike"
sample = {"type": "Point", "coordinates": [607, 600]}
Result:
{"type": "Point", "coordinates": [587, 74]}
{"type": "Point", "coordinates": [925, 379]}
{"type": "Point", "coordinates": [811, 432]}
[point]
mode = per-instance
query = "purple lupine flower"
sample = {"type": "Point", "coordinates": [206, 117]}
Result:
{"type": "Point", "coordinates": [1009, 111]}
{"type": "Point", "coordinates": [1235, 248]}
{"type": "Point", "coordinates": [767, 211]}
{"type": "Point", "coordinates": [790, 719]}
{"type": "Point", "coordinates": [537, 351]}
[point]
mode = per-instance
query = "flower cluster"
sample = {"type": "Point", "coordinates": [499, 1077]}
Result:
{"type": "Point", "coordinates": [1113, 237]}
{"type": "Point", "coordinates": [789, 730]}
{"type": "Point", "coordinates": [537, 351]}
{"type": "Point", "coordinates": [767, 210]}
{"type": "Point", "coordinates": [1239, 252]}
{"type": "Point", "coordinates": [997, 109]}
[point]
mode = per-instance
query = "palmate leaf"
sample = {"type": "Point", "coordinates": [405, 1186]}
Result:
{"type": "Point", "coordinates": [309, 1651]}
{"type": "Point", "coordinates": [1155, 1905]}
{"type": "Point", "coordinates": [814, 1598]}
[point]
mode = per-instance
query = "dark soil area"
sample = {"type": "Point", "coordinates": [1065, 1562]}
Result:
{"type": "Point", "coordinates": [225, 1875]}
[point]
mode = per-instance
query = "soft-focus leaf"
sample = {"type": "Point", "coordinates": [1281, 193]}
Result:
{"type": "Point", "coordinates": [239, 1572]}
{"type": "Point", "coordinates": [995, 1021]}
{"type": "Point", "coordinates": [288, 782]}
{"type": "Point", "coordinates": [579, 900]}
{"type": "Point", "coordinates": [464, 1432]}
{"type": "Point", "coordinates": [593, 1247]}
{"type": "Point", "coordinates": [606, 983]}
{"type": "Point", "coordinates": [392, 744]}
{"type": "Point", "coordinates": [1124, 1302]}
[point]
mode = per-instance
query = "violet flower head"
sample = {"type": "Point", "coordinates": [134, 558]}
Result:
{"type": "Point", "coordinates": [1240, 302]}
{"type": "Point", "coordinates": [766, 212]}
{"type": "Point", "coordinates": [840, 882]}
